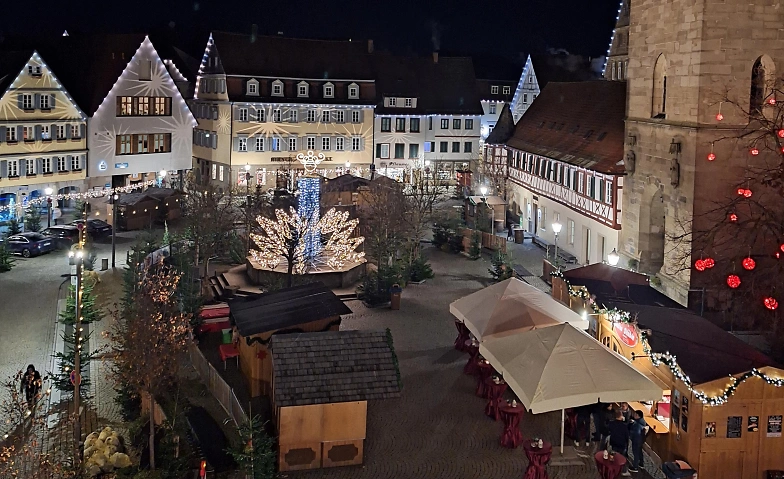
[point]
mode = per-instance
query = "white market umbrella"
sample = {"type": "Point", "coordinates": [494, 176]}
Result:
{"type": "Point", "coordinates": [510, 307]}
{"type": "Point", "coordinates": [560, 367]}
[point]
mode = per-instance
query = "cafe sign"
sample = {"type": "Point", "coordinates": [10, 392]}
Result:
{"type": "Point", "coordinates": [627, 333]}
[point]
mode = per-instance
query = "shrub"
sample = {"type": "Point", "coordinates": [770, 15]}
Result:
{"type": "Point", "coordinates": [6, 259]}
{"type": "Point", "coordinates": [475, 250]}
{"type": "Point", "coordinates": [32, 219]}
{"type": "Point", "coordinates": [374, 288]}
{"type": "Point", "coordinates": [420, 270]}
{"type": "Point", "coordinates": [502, 267]}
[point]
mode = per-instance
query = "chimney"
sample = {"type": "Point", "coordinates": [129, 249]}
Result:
{"type": "Point", "coordinates": [435, 57]}
{"type": "Point", "coordinates": [370, 46]}
{"type": "Point", "coordinates": [254, 31]}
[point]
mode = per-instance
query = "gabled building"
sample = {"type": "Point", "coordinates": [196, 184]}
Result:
{"type": "Point", "coordinates": [526, 91]}
{"type": "Point", "coordinates": [428, 115]}
{"type": "Point", "coordinates": [617, 62]}
{"type": "Point", "coordinates": [566, 165]}
{"type": "Point", "coordinates": [496, 80]}
{"type": "Point", "coordinates": [42, 133]}
{"type": "Point", "coordinates": [260, 101]}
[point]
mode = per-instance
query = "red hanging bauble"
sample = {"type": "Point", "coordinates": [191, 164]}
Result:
{"type": "Point", "coordinates": [741, 191]}
{"type": "Point", "coordinates": [709, 263]}
{"type": "Point", "coordinates": [733, 281]}
{"type": "Point", "coordinates": [780, 133]}
{"type": "Point", "coordinates": [771, 101]}
{"type": "Point", "coordinates": [781, 247]}
{"type": "Point", "coordinates": [733, 217]}
{"type": "Point", "coordinates": [711, 156]}
{"type": "Point", "coordinates": [754, 152]}
{"type": "Point", "coordinates": [747, 193]}
{"type": "Point", "coordinates": [771, 303]}
{"type": "Point", "coordinates": [749, 263]}
{"type": "Point", "coordinates": [699, 265]}
{"type": "Point", "coordinates": [719, 117]}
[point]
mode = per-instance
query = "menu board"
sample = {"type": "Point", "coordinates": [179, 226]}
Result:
{"type": "Point", "coordinates": [710, 429]}
{"type": "Point", "coordinates": [675, 414]}
{"type": "Point", "coordinates": [774, 426]}
{"type": "Point", "coordinates": [734, 426]}
{"type": "Point", "coordinates": [685, 423]}
{"type": "Point", "coordinates": [685, 406]}
{"type": "Point", "coordinates": [753, 425]}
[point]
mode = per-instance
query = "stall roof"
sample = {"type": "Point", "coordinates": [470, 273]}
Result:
{"type": "Point", "coordinates": [285, 308]}
{"type": "Point", "coordinates": [333, 366]}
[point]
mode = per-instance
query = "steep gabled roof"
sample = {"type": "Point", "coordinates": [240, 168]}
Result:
{"type": "Point", "coordinates": [579, 123]}
{"type": "Point", "coordinates": [11, 64]}
{"type": "Point", "coordinates": [277, 56]}
{"type": "Point", "coordinates": [504, 127]}
{"type": "Point", "coordinates": [332, 367]}
{"type": "Point", "coordinates": [446, 87]}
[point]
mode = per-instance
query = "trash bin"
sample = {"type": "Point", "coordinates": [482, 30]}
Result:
{"type": "Point", "coordinates": [775, 474]}
{"type": "Point", "coordinates": [104, 264]}
{"type": "Point", "coordinates": [226, 336]}
{"type": "Point", "coordinates": [395, 292]}
{"type": "Point", "coordinates": [519, 235]}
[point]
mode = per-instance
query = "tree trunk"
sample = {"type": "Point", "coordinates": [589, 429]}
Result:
{"type": "Point", "coordinates": [152, 433]}
{"type": "Point", "coordinates": [290, 273]}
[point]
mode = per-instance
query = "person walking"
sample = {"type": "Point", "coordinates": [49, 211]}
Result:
{"type": "Point", "coordinates": [619, 437]}
{"type": "Point", "coordinates": [626, 411]}
{"type": "Point", "coordinates": [31, 385]}
{"type": "Point", "coordinates": [638, 428]}
{"type": "Point", "coordinates": [602, 416]}
{"type": "Point", "coordinates": [583, 432]}
{"type": "Point", "coordinates": [510, 232]}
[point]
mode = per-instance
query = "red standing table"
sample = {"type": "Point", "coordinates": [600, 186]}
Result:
{"type": "Point", "coordinates": [538, 457]}
{"type": "Point", "coordinates": [495, 396]}
{"type": "Point", "coordinates": [463, 335]}
{"type": "Point", "coordinates": [473, 355]}
{"type": "Point", "coordinates": [570, 424]}
{"type": "Point", "coordinates": [609, 469]}
{"type": "Point", "coordinates": [483, 371]}
{"type": "Point", "coordinates": [511, 415]}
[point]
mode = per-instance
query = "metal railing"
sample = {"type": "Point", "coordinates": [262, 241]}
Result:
{"type": "Point", "coordinates": [219, 388]}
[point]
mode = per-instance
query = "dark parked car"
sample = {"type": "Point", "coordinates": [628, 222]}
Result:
{"type": "Point", "coordinates": [63, 235]}
{"type": "Point", "coordinates": [96, 228]}
{"type": "Point", "coordinates": [30, 244]}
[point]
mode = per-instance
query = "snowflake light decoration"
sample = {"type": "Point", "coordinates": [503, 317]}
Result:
{"type": "Point", "coordinates": [310, 160]}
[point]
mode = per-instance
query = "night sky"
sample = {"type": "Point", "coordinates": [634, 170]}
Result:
{"type": "Point", "coordinates": [460, 26]}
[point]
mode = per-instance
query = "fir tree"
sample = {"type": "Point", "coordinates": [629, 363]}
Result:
{"type": "Point", "coordinates": [6, 259]}
{"type": "Point", "coordinates": [13, 228]}
{"type": "Point", "coordinates": [32, 219]}
{"type": "Point", "coordinates": [475, 250]}
{"type": "Point", "coordinates": [255, 453]}
{"type": "Point", "coordinates": [502, 267]}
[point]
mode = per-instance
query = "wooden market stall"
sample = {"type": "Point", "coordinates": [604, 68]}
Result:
{"type": "Point", "coordinates": [141, 209]}
{"type": "Point", "coordinates": [724, 400]}
{"type": "Point", "coordinates": [307, 308]}
{"type": "Point", "coordinates": [322, 382]}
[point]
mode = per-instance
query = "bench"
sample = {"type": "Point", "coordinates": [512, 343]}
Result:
{"type": "Point", "coordinates": [563, 255]}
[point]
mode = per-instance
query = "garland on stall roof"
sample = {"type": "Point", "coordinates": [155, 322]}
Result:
{"type": "Point", "coordinates": [617, 316]}
{"type": "Point", "coordinates": [41, 200]}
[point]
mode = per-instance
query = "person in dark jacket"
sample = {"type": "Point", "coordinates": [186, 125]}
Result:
{"type": "Point", "coordinates": [601, 419]}
{"type": "Point", "coordinates": [637, 430]}
{"type": "Point", "coordinates": [31, 385]}
{"type": "Point", "coordinates": [583, 432]}
{"type": "Point", "coordinates": [619, 436]}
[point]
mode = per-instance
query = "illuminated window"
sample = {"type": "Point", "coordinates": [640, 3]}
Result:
{"type": "Point", "coordinates": [242, 144]}
{"type": "Point", "coordinates": [259, 143]}
{"type": "Point", "coordinates": [340, 143]}
{"type": "Point", "coordinates": [325, 141]}
{"type": "Point", "coordinates": [494, 90]}
{"type": "Point", "coordinates": [355, 117]}
{"type": "Point", "coordinates": [27, 101]}
{"type": "Point", "coordinates": [143, 105]}
{"type": "Point", "coordinates": [159, 142]}
{"type": "Point", "coordinates": [356, 143]}
{"type": "Point", "coordinates": [142, 144]}
{"type": "Point", "coordinates": [243, 114]}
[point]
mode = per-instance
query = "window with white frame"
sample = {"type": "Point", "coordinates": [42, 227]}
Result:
{"type": "Point", "coordinates": [469, 124]}
{"type": "Point", "coordinates": [353, 91]}
{"type": "Point", "coordinates": [10, 134]}
{"type": "Point", "coordinates": [261, 114]}
{"type": "Point", "coordinates": [570, 231]}
{"type": "Point", "coordinates": [13, 168]}
{"type": "Point", "coordinates": [276, 144]}
{"type": "Point", "coordinates": [44, 102]}
{"type": "Point", "coordinates": [507, 90]}
{"type": "Point", "coordinates": [28, 133]}
{"type": "Point", "coordinates": [444, 124]}
{"type": "Point", "coordinates": [76, 162]}
{"type": "Point", "coordinates": [354, 116]}
{"type": "Point", "coordinates": [329, 90]}
{"type": "Point", "coordinates": [46, 165]}
{"type": "Point", "coordinates": [492, 109]}
{"type": "Point", "coordinates": [292, 143]}
{"type": "Point", "coordinates": [383, 150]}
{"type": "Point", "coordinates": [62, 165]}
{"type": "Point", "coordinates": [30, 167]}
{"type": "Point", "coordinates": [277, 88]}
{"type": "Point", "coordinates": [340, 116]}
{"type": "Point", "coordinates": [311, 142]}
{"type": "Point", "coordinates": [494, 90]}
{"type": "Point", "coordinates": [293, 116]}
{"type": "Point", "coordinates": [242, 144]}
{"type": "Point", "coordinates": [525, 98]}
{"type": "Point", "coordinates": [220, 173]}
{"type": "Point", "coordinates": [243, 114]}
{"type": "Point", "coordinates": [324, 116]}
{"type": "Point", "coordinates": [340, 143]}
{"type": "Point", "coordinates": [608, 191]}
{"type": "Point", "coordinates": [253, 87]}
{"type": "Point", "coordinates": [276, 115]}
{"type": "Point", "coordinates": [311, 116]}
{"type": "Point", "coordinates": [46, 132]}
{"type": "Point", "coordinates": [214, 171]}
{"type": "Point", "coordinates": [393, 101]}
{"type": "Point", "coordinates": [302, 89]}
{"type": "Point", "coordinates": [408, 102]}
{"type": "Point", "coordinates": [356, 143]}
{"type": "Point", "coordinates": [27, 101]}
{"type": "Point", "coordinates": [580, 182]}
{"type": "Point", "coordinates": [325, 141]}
{"type": "Point", "coordinates": [126, 144]}
{"type": "Point", "coordinates": [259, 143]}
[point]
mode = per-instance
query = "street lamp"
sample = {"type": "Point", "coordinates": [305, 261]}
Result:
{"type": "Point", "coordinates": [48, 192]}
{"type": "Point", "coordinates": [483, 190]}
{"type": "Point", "coordinates": [613, 258]}
{"type": "Point", "coordinates": [348, 167]}
{"type": "Point", "coordinates": [247, 207]}
{"type": "Point", "coordinates": [556, 229]}
{"type": "Point", "coordinates": [162, 173]}
{"type": "Point", "coordinates": [115, 225]}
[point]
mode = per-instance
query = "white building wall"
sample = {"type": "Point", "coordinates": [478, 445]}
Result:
{"type": "Point", "coordinates": [526, 92]}
{"type": "Point", "coordinates": [591, 242]}
{"type": "Point", "coordinates": [395, 167]}
{"type": "Point", "coordinates": [492, 110]}
{"type": "Point", "coordinates": [105, 126]}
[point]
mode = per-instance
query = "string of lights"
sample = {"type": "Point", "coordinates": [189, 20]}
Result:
{"type": "Point", "coordinates": [41, 200]}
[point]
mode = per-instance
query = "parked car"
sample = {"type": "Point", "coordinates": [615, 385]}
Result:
{"type": "Point", "coordinates": [63, 235]}
{"type": "Point", "coordinates": [95, 228]}
{"type": "Point", "coordinates": [30, 244]}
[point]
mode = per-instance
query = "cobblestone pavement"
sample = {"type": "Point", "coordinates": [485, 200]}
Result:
{"type": "Point", "coordinates": [438, 429]}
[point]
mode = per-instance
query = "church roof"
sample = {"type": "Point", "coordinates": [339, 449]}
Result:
{"type": "Point", "coordinates": [579, 123]}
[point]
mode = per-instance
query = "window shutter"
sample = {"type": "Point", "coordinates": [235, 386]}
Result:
{"type": "Point", "coordinates": [19, 133]}
{"type": "Point", "coordinates": [362, 144]}
{"type": "Point", "coordinates": [2, 134]}
{"type": "Point", "coordinates": [67, 131]}
{"type": "Point", "coordinates": [81, 130]}
{"type": "Point", "coordinates": [37, 101]}
{"type": "Point", "coordinates": [37, 130]}
{"type": "Point", "coordinates": [23, 167]}
{"type": "Point", "coordinates": [215, 113]}
{"type": "Point", "coordinates": [38, 164]}
{"type": "Point", "coordinates": [52, 101]}
{"type": "Point", "coordinates": [67, 163]}
{"type": "Point", "coordinates": [3, 168]}
{"type": "Point", "coordinates": [19, 100]}
{"type": "Point", "coordinates": [378, 150]}
{"type": "Point", "coordinates": [118, 101]}
{"type": "Point", "coordinates": [236, 142]}
{"type": "Point", "coordinates": [214, 137]}
{"type": "Point", "coordinates": [53, 131]}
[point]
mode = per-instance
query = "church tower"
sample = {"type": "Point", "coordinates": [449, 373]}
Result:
{"type": "Point", "coordinates": [686, 59]}
{"type": "Point", "coordinates": [617, 62]}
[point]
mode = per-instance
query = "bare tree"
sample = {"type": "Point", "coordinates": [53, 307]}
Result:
{"type": "Point", "coordinates": [150, 338]}
{"type": "Point", "coordinates": [421, 196]}
{"type": "Point", "coordinates": [492, 173]}
{"type": "Point", "coordinates": [382, 210]}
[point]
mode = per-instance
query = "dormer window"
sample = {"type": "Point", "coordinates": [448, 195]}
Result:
{"type": "Point", "coordinates": [329, 90]}
{"type": "Point", "coordinates": [34, 70]}
{"type": "Point", "coordinates": [408, 102]}
{"type": "Point", "coordinates": [494, 90]}
{"type": "Point", "coordinates": [353, 91]}
{"type": "Point", "coordinates": [507, 90]}
{"type": "Point", "coordinates": [277, 88]}
{"type": "Point", "coordinates": [253, 87]}
{"type": "Point", "coordinates": [302, 89]}
{"type": "Point", "coordinates": [393, 101]}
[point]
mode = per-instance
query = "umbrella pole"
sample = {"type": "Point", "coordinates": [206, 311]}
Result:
{"type": "Point", "coordinates": [563, 418]}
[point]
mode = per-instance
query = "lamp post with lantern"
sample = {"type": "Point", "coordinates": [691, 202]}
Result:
{"type": "Point", "coordinates": [247, 208]}
{"type": "Point", "coordinates": [613, 257]}
{"type": "Point", "coordinates": [556, 229]}
{"type": "Point", "coordinates": [483, 190]}
{"type": "Point", "coordinates": [115, 201]}
{"type": "Point", "coordinates": [48, 192]}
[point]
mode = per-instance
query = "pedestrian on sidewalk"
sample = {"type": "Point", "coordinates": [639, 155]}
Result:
{"type": "Point", "coordinates": [602, 415]}
{"type": "Point", "coordinates": [638, 428]}
{"type": "Point", "coordinates": [627, 412]}
{"type": "Point", "coordinates": [31, 385]}
{"type": "Point", "coordinates": [619, 437]}
{"type": "Point", "coordinates": [56, 214]}
{"type": "Point", "coordinates": [583, 432]}
{"type": "Point", "coordinates": [510, 232]}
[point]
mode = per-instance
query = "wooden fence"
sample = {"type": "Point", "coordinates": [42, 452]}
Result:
{"type": "Point", "coordinates": [491, 242]}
